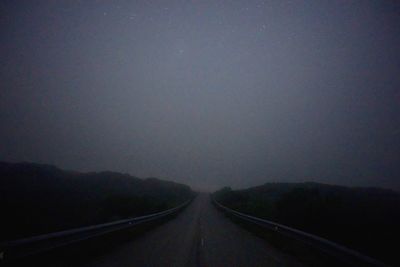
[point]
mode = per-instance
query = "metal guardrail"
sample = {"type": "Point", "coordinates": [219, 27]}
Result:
{"type": "Point", "coordinates": [11, 250]}
{"type": "Point", "coordinates": [348, 255]}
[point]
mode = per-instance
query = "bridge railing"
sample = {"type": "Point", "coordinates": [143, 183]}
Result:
{"type": "Point", "coordinates": [11, 250]}
{"type": "Point", "coordinates": [349, 256]}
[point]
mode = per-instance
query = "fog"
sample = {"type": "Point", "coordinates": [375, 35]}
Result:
{"type": "Point", "coordinates": [207, 93]}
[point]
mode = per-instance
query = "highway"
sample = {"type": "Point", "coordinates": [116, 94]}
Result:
{"type": "Point", "coordinates": [199, 236]}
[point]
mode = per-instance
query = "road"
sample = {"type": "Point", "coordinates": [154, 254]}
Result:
{"type": "Point", "coordinates": [199, 236]}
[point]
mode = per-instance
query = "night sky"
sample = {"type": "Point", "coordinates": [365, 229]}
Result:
{"type": "Point", "coordinates": [208, 93]}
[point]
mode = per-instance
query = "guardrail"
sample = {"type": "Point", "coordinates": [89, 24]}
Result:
{"type": "Point", "coordinates": [15, 249]}
{"type": "Point", "coordinates": [347, 255]}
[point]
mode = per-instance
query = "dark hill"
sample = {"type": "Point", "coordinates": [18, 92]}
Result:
{"type": "Point", "coordinates": [37, 199]}
{"type": "Point", "coordinates": [365, 219]}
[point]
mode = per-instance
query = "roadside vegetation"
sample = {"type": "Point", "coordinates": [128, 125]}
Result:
{"type": "Point", "coordinates": [364, 219]}
{"type": "Point", "coordinates": [37, 199]}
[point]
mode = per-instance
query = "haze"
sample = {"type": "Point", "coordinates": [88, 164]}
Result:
{"type": "Point", "coordinates": [208, 93]}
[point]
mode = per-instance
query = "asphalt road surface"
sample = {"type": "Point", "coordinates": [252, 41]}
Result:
{"type": "Point", "coordinates": [199, 236]}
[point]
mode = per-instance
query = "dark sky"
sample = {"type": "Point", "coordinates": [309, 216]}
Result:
{"type": "Point", "coordinates": [209, 93]}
